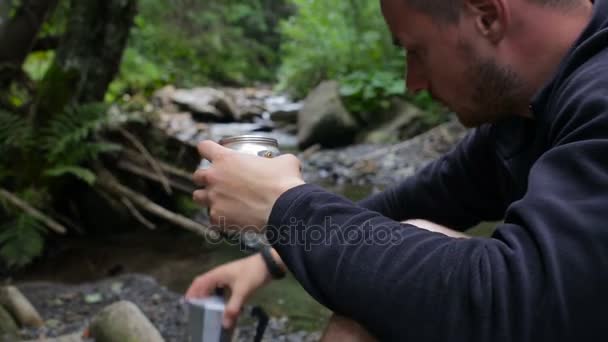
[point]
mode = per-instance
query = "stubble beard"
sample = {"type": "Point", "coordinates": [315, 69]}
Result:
{"type": "Point", "coordinates": [498, 92]}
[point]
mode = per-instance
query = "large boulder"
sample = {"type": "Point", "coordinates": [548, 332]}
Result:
{"type": "Point", "coordinates": [123, 321]}
{"type": "Point", "coordinates": [324, 120]}
{"type": "Point", "coordinates": [404, 125]}
{"type": "Point", "coordinates": [207, 104]}
{"type": "Point", "coordinates": [20, 307]}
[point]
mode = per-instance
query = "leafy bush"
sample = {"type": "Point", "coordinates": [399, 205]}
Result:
{"type": "Point", "coordinates": [344, 40]}
{"type": "Point", "coordinates": [189, 42]}
{"type": "Point", "coordinates": [347, 41]}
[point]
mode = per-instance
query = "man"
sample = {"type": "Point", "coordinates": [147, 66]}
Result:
{"type": "Point", "coordinates": [532, 75]}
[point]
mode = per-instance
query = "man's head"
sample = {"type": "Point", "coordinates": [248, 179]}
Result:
{"type": "Point", "coordinates": [484, 59]}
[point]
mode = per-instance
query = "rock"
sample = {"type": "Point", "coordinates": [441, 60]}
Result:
{"type": "Point", "coordinates": [324, 120]}
{"type": "Point", "coordinates": [162, 98]}
{"type": "Point", "coordinates": [21, 308]}
{"type": "Point", "coordinates": [207, 104]}
{"type": "Point", "coordinates": [395, 130]}
{"type": "Point", "coordinates": [8, 326]}
{"type": "Point", "coordinates": [123, 321]}
{"type": "Point", "coordinates": [282, 109]}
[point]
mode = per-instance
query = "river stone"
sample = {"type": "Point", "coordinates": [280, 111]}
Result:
{"type": "Point", "coordinates": [123, 321]}
{"type": "Point", "coordinates": [207, 104]}
{"type": "Point", "coordinates": [20, 307]}
{"type": "Point", "coordinates": [324, 120]}
{"type": "Point", "coordinates": [8, 327]}
{"type": "Point", "coordinates": [282, 109]}
{"type": "Point", "coordinates": [406, 117]}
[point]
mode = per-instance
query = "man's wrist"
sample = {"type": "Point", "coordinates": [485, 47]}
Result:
{"type": "Point", "coordinates": [274, 264]}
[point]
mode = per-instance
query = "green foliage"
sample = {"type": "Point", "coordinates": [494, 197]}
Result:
{"type": "Point", "coordinates": [189, 43]}
{"type": "Point", "coordinates": [37, 64]}
{"type": "Point", "coordinates": [367, 93]}
{"type": "Point", "coordinates": [66, 146]}
{"type": "Point", "coordinates": [15, 133]}
{"type": "Point", "coordinates": [67, 142]}
{"type": "Point", "coordinates": [83, 174]}
{"type": "Point", "coordinates": [21, 240]}
{"type": "Point", "coordinates": [347, 41]}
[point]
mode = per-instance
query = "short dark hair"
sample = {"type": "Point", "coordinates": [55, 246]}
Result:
{"type": "Point", "coordinates": [449, 10]}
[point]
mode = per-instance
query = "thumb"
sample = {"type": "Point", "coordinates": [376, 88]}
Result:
{"type": "Point", "coordinates": [210, 150]}
{"type": "Point", "coordinates": [233, 308]}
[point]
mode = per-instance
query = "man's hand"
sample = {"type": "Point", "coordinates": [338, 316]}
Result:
{"type": "Point", "coordinates": [240, 189]}
{"type": "Point", "coordinates": [241, 277]}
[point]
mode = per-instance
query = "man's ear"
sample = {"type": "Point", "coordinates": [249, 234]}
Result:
{"type": "Point", "coordinates": [491, 17]}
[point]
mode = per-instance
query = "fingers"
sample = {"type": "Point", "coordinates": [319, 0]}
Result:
{"type": "Point", "coordinates": [233, 308]}
{"type": "Point", "coordinates": [203, 286]}
{"type": "Point", "coordinates": [211, 151]}
{"type": "Point", "coordinates": [200, 177]}
{"type": "Point", "coordinates": [201, 197]}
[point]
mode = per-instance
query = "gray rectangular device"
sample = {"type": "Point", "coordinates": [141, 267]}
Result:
{"type": "Point", "coordinates": [205, 320]}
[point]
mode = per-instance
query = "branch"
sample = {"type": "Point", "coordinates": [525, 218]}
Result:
{"type": "Point", "coordinates": [148, 157]}
{"type": "Point", "coordinates": [137, 214]}
{"type": "Point", "coordinates": [140, 171]}
{"type": "Point", "coordinates": [17, 202]}
{"type": "Point", "coordinates": [106, 181]}
{"type": "Point", "coordinates": [170, 169]}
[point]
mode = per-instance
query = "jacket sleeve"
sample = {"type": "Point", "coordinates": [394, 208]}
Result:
{"type": "Point", "coordinates": [540, 277]}
{"type": "Point", "coordinates": [458, 190]}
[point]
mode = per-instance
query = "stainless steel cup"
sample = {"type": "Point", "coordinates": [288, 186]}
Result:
{"type": "Point", "coordinates": [258, 146]}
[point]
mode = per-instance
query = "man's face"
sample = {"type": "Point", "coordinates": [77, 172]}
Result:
{"type": "Point", "coordinates": [455, 64]}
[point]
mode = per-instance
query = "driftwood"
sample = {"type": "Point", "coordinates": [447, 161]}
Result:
{"type": "Point", "coordinates": [169, 169]}
{"type": "Point", "coordinates": [17, 202]}
{"type": "Point", "coordinates": [137, 214]}
{"type": "Point", "coordinates": [21, 308]}
{"type": "Point", "coordinates": [143, 172]}
{"type": "Point", "coordinates": [107, 183]}
{"type": "Point", "coordinates": [148, 157]}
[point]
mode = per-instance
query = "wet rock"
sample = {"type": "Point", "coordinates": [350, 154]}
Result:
{"type": "Point", "coordinates": [395, 130]}
{"type": "Point", "coordinates": [324, 120]}
{"type": "Point", "coordinates": [207, 104]}
{"type": "Point", "coordinates": [20, 307]}
{"type": "Point", "coordinates": [281, 109]}
{"type": "Point", "coordinates": [380, 164]}
{"type": "Point", "coordinates": [162, 99]}
{"type": "Point", "coordinates": [123, 321]}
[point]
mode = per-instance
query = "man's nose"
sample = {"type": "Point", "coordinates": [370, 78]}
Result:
{"type": "Point", "coordinates": [416, 81]}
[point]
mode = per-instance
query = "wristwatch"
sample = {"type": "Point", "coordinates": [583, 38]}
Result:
{"type": "Point", "coordinates": [273, 267]}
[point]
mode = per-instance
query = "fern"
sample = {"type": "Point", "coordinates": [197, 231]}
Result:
{"type": "Point", "coordinates": [67, 141]}
{"type": "Point", "coordinates": [15, 132]}
{"type": "Point", "coordinates": [21, 240]}
{"type": "Point", "coordinates": [83, 174]}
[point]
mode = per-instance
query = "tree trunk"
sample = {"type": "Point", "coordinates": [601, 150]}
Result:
{"type": "Point", "coordinates": [88, 57]}
{"type": "Point", "coordinates": [18, 35]}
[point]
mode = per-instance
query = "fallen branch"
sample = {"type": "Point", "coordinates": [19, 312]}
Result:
{"type": "Point", "coordinates": [148, 157]}
{"type": "Point", "coordinates": [35, 213]}
{"type": "Point", "coordinates": [138, 216]}
{"type": "Point", "coordinates": [140, 171]}
{"type": "Point", "coordinates": [106, 181]}
{"type": "Point", "coordinates": [170, 169]}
